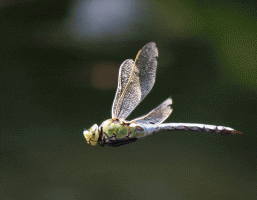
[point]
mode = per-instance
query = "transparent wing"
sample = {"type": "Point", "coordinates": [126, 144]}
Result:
{"type": "Point", "coordinates": [136, 83]}
{"type": "Point", "coordinates": [124, 75]}
{"type": "Point", "coordinates": [157, 115]}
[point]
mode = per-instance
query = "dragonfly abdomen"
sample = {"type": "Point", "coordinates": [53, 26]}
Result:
{"type": "Point", "coordinates": [222, 130]}
{"type": "Point", "coordinates": [145, 130]}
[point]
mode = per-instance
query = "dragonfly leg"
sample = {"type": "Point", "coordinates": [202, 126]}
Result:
{"type": "Point", "coordinates": [112, 138]}
{"type": "Point", "coordinates": [114, 142]}
{"type": "Point", "coordinates": [128, 134]}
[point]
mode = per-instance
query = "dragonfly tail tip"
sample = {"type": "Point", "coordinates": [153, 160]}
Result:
{"type": "Point", "coordinates": [237, 132]}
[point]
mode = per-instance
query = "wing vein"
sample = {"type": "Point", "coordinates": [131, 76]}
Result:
{"type": "Point", "coordinates": [133, 68]}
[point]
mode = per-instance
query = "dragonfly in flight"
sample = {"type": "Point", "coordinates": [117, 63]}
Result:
{"type": "Point", "coordinates": [136, 79]}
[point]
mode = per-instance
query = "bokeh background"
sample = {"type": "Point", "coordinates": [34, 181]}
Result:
{"type": "Point", "coordinates": [59, 67]}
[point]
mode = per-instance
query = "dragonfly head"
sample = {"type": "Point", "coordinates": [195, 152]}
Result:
{"type": "Point", "coordinates": [92, 135]}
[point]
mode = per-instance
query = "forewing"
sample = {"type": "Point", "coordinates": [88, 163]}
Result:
{"type": "Point", "coordinates": [138, 85]}
{"type": "Point", "coordinates": [124, 75]}
{"type": "Point", "coordinates": [157, 115]}
{"type": "Point", "coordinates": [147, 65]}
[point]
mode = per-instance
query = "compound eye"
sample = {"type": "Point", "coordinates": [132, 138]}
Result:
{"type": "Point", "coordinates": [92, 135]}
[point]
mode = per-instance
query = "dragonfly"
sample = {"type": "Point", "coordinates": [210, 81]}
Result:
{"type": "Point", "coordinates": [136, 79]}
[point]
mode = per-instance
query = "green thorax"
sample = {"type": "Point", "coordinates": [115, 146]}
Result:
{"type": "Point", "coordinates": [115, 132]}
{"type": "Point", "coordinates": [117, 129]}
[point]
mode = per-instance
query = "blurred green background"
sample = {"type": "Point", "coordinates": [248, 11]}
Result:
{"type": "Point", "coordinates": [59, 68]}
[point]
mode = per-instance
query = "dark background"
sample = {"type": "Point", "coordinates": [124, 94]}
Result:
{"type": "Point", "coordinates": [59, 65]}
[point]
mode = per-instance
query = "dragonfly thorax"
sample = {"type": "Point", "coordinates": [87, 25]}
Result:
{"type": "Point", "coordinates": [116, 132]}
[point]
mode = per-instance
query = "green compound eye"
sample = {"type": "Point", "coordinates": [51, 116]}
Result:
{"type": "Point", "coordinates": [92, 135]}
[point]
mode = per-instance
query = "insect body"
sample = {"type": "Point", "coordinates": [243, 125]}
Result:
{"type": "Point", "coordinates": [136, 79]}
